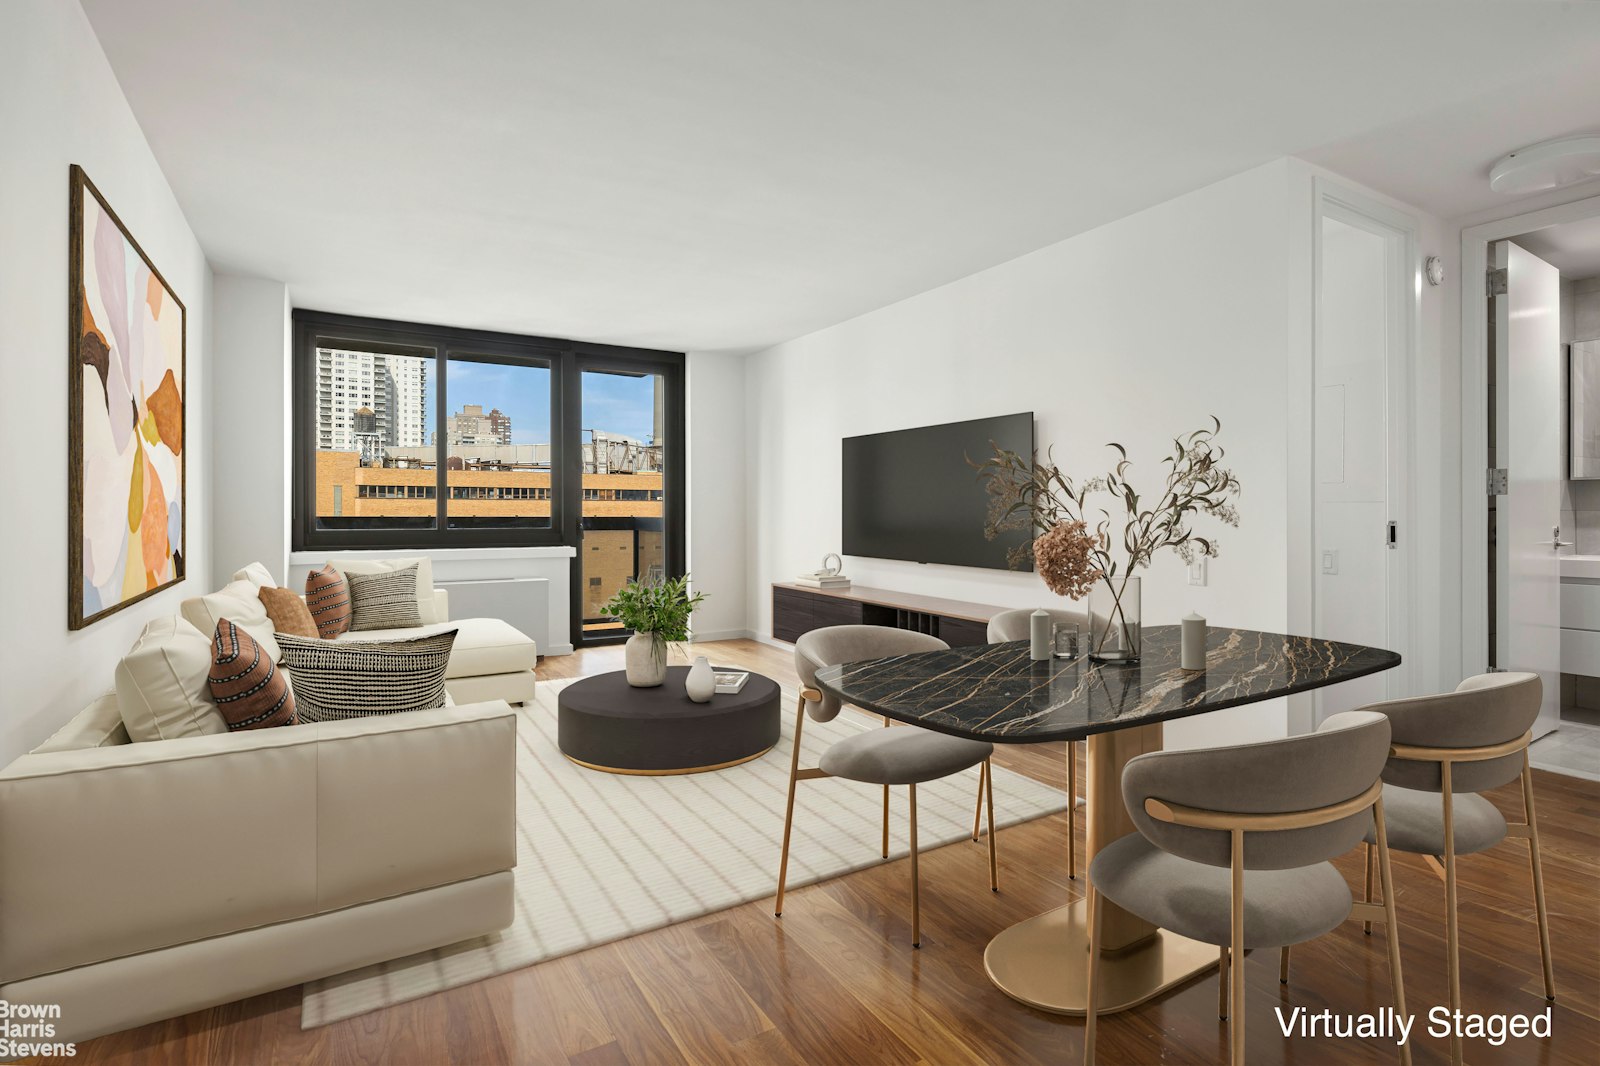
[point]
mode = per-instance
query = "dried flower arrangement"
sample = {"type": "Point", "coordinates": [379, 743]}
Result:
{"type": "Point", "coordinates": [1025, 493]}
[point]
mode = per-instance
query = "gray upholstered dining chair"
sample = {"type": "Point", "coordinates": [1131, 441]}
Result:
{"type": "Point", "coordinates": [1446, 749]}
{"type": "Point", "coordinates": [903, 756]}
{"type": "Point", "coordinates": [1013, 625]}
{"type": "Point", "coordinates": [1233, 849]}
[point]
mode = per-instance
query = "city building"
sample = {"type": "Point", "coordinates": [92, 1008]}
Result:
{"type": "Point", "coordinates": [393, 389]}
{"type": "Point", "coordinates": [471, 425]}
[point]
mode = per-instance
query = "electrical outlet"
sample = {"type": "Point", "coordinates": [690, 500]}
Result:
{"type": "Point", "coordinates": [1330, 562]}
{"type": "Point", "coordinates": [1197, 572]}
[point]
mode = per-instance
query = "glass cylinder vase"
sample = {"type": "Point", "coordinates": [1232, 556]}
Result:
{"type": "Point", "coordinates": [1115, 635]}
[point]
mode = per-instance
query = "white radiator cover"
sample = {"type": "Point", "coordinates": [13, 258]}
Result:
{"type": "Point", "coordinates": [523, 602]}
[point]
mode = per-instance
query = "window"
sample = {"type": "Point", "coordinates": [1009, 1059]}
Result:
{"type": "Point", "coordinates": [415, 436]}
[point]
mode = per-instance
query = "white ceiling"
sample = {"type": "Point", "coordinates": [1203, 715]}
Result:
{"type": "Point", "coordinates": [724, 174]}
{"type": "Point", "coordinates": [1572, 247]}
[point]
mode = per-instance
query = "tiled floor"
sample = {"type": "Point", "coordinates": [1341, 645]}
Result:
{"type": "Point", "coordinates": [1573, 749]}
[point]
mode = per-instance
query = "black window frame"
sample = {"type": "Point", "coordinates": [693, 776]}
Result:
{"type": "Point", "coordinates": [566, 361]}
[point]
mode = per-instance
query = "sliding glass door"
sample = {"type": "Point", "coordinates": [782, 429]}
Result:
{"type": "Point", "coordinates": [624, 440]}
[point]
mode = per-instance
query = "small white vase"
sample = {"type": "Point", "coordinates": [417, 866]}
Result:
{"type": "Point", "coordinates": [645, 660]}
{"type": "Point", "coordinates": [700, 683]}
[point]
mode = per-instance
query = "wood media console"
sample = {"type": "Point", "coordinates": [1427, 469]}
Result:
{"type": "Point", "coordinates": [798, 609]}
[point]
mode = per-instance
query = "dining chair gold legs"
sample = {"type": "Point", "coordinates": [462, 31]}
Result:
{"type": "Point", "coordinates": [886, 724]}
{"type": "Point", "coordinates": [1366, 927]}
{"type": "Point", "coordinates": [986, 788]}
{"type": "Point", "coordinates": [916, 884]}
{"type": "Point", "coordinates": [788, 811]}
{"type": "Point", "coordinates": [994, 859]}
{"type": "Point", "coordinates": [977, 810]}
{"type": "Point", "coordinates": [1538, 877]}
{"type": "Point", "coordinates": [1452, 932]}
{"type": "Point", "coordinates": [1283, 965]}
{"type": "Point", "coordinates": [1391, 924]}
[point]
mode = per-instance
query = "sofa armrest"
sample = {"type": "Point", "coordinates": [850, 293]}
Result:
{"type": "Point", "coordinates": [441, 604]}
{"type": "Point", "coordinates": [116, 850]}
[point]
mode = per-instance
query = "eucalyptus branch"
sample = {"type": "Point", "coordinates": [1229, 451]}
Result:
{"type": "Point", "coordinates": [1027, 492]}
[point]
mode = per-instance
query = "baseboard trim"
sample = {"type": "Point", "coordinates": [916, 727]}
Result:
{"type": "Point", "coordinates": [722, 634]}
{"type": "Point", "coordinates": [557, 649]}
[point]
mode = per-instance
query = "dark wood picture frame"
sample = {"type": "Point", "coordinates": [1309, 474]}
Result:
{"type": "Point", "coordinates": [79, 184]}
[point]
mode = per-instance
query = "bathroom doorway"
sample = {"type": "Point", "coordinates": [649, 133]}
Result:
{"type": "Point", "coordinates": [1530, 332]}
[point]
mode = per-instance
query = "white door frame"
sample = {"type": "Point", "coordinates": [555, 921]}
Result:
{"type": "Point", "coordinates": [1475, 242]}
{"type": "Point", "coordinates": [1332, 200]}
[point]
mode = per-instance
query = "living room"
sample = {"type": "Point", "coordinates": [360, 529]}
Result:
{"type": "Point", "coordinates": [515, 459]}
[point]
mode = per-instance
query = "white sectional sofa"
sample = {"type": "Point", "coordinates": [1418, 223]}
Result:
{"type": "Point", "coordinates": [491, 660]}
{"type": "Point", "coordinates": [139, 881]}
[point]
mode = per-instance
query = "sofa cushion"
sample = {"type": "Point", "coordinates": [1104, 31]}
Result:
{"type": "Point", "coordinates": [239, 601]}
{"type": "Point", "coordinates": [483, 645]}
{"type": "Point", "coordinates": [98, 725]}
{"type": "Point", "coordinates": [161, 684]}
{"type": "Point", "coordinates": [336, 679]}
{"type": "Point", "coordinates": [384, 601]}
{"type": "Point", "coordinates": [328, 599]}
{"type": "Point", "coordinates": [256, 573]}
{"type": "Point", "coordinates": [426, 609]}
{"type": "Point", "coordinates": [287, 611]}
{"type": "Point", "coordinates": [250, 690]}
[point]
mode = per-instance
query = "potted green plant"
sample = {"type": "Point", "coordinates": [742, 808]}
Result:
{"type": "Point", "coordinates": [657, 612]}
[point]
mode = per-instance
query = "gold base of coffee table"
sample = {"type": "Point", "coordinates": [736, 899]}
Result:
{"type": "Point", "coordinates": [1044, 962]}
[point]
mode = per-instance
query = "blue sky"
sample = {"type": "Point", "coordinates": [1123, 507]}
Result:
{"type": "Point", "coordinates": [611, 402]}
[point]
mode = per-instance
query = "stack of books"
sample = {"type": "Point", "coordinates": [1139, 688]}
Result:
{"type": "Point", "coordinates": [820, 581]}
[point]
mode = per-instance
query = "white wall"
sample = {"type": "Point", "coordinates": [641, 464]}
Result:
{"type": "Point", "coordinates": [716, 514]}
{"type": "Point", "coordinates": [60, 104]}
{"type": "Point", "coordinates": [250, 383]}
{"type": "Point", "coordinates": [1133, 332]}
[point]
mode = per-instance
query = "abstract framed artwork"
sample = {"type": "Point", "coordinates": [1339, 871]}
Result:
{"type": "Point", "coordinates": [125, 418]}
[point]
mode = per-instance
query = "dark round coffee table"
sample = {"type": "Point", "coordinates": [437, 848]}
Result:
{"type": "Point", "coordinates": [606, 724]}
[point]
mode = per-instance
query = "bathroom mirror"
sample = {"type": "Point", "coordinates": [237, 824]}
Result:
{"type": "Point", "coordinates": [1583, 392]}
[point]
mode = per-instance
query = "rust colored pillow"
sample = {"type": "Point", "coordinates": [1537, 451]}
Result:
{"type": "Point", "coordinates": [250, 690]}
{"type": "Point", "coordinates": [328, 599]}
{"type": "Point", "coordinates": [288, 612]}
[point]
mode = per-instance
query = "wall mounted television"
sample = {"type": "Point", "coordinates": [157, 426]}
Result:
{"type": "Point", "coordinates": [911, 494]}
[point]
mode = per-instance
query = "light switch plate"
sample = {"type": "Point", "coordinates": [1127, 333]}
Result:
{"type": "Point", "coordinates": [1330, 562]}
{"type": "Point", "coordinates": [1197, 572]}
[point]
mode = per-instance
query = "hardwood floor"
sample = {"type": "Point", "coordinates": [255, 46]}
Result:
{"type": "Point", "coordinates": [835, 980]}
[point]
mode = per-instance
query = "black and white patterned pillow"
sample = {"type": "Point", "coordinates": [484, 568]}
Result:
{"type": "Point", "coordinates": [360, 678]}
{"type": "Point", "coordinates": [384, 601]}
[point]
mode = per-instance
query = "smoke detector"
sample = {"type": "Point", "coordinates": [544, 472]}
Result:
{"type": "Point", "coordinates": [1547, 165]}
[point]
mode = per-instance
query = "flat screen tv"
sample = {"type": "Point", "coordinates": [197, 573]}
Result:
{"type": "Point", "coordinates": [911, 494]}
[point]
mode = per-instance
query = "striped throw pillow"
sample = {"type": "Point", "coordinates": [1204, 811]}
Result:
{"type": "Point", "coordinates": [360, 678]}
{"type": "Point", "coordinates": [384, 601]}
{"type": "Point", "coordinates": [328, 597]}
{"type": "Point", "coordinates": [250, 690]}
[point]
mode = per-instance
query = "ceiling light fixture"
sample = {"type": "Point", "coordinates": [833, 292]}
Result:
{"type": "Point", "coordinates": [1547, 165]}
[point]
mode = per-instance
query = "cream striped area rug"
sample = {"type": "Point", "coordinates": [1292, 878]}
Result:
{"type": "Point", "coordinates": [604, 856]}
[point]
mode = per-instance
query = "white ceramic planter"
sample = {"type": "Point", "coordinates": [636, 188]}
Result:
{"type": "Point", "coordinates": [645, 660]}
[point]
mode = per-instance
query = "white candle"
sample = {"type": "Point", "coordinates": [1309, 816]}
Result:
{"type": "Point", "coordinates": [1039, 633]}
{"type": "Point", "coordinates": [1192, 645]}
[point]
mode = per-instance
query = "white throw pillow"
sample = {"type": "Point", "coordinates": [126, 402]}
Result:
{"type": "Point", "coordinates": [239, 602]}
{"type": "Point", "coordinates": [257, 574]}
{"type": "Point", "coordinates": [424, 565]}
{"type": "Point", "coordinates": [162, 692]}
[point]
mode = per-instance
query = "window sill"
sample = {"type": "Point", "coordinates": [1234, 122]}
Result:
{"type": "Point", "coordinates": [542, 551]}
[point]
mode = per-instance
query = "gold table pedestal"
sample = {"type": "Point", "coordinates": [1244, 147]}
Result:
{"type": "Point", "coordinates": [1044, 962]}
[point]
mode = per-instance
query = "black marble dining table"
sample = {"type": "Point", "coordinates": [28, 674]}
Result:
{"type": "Point", "coordinates": [999, 693]}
